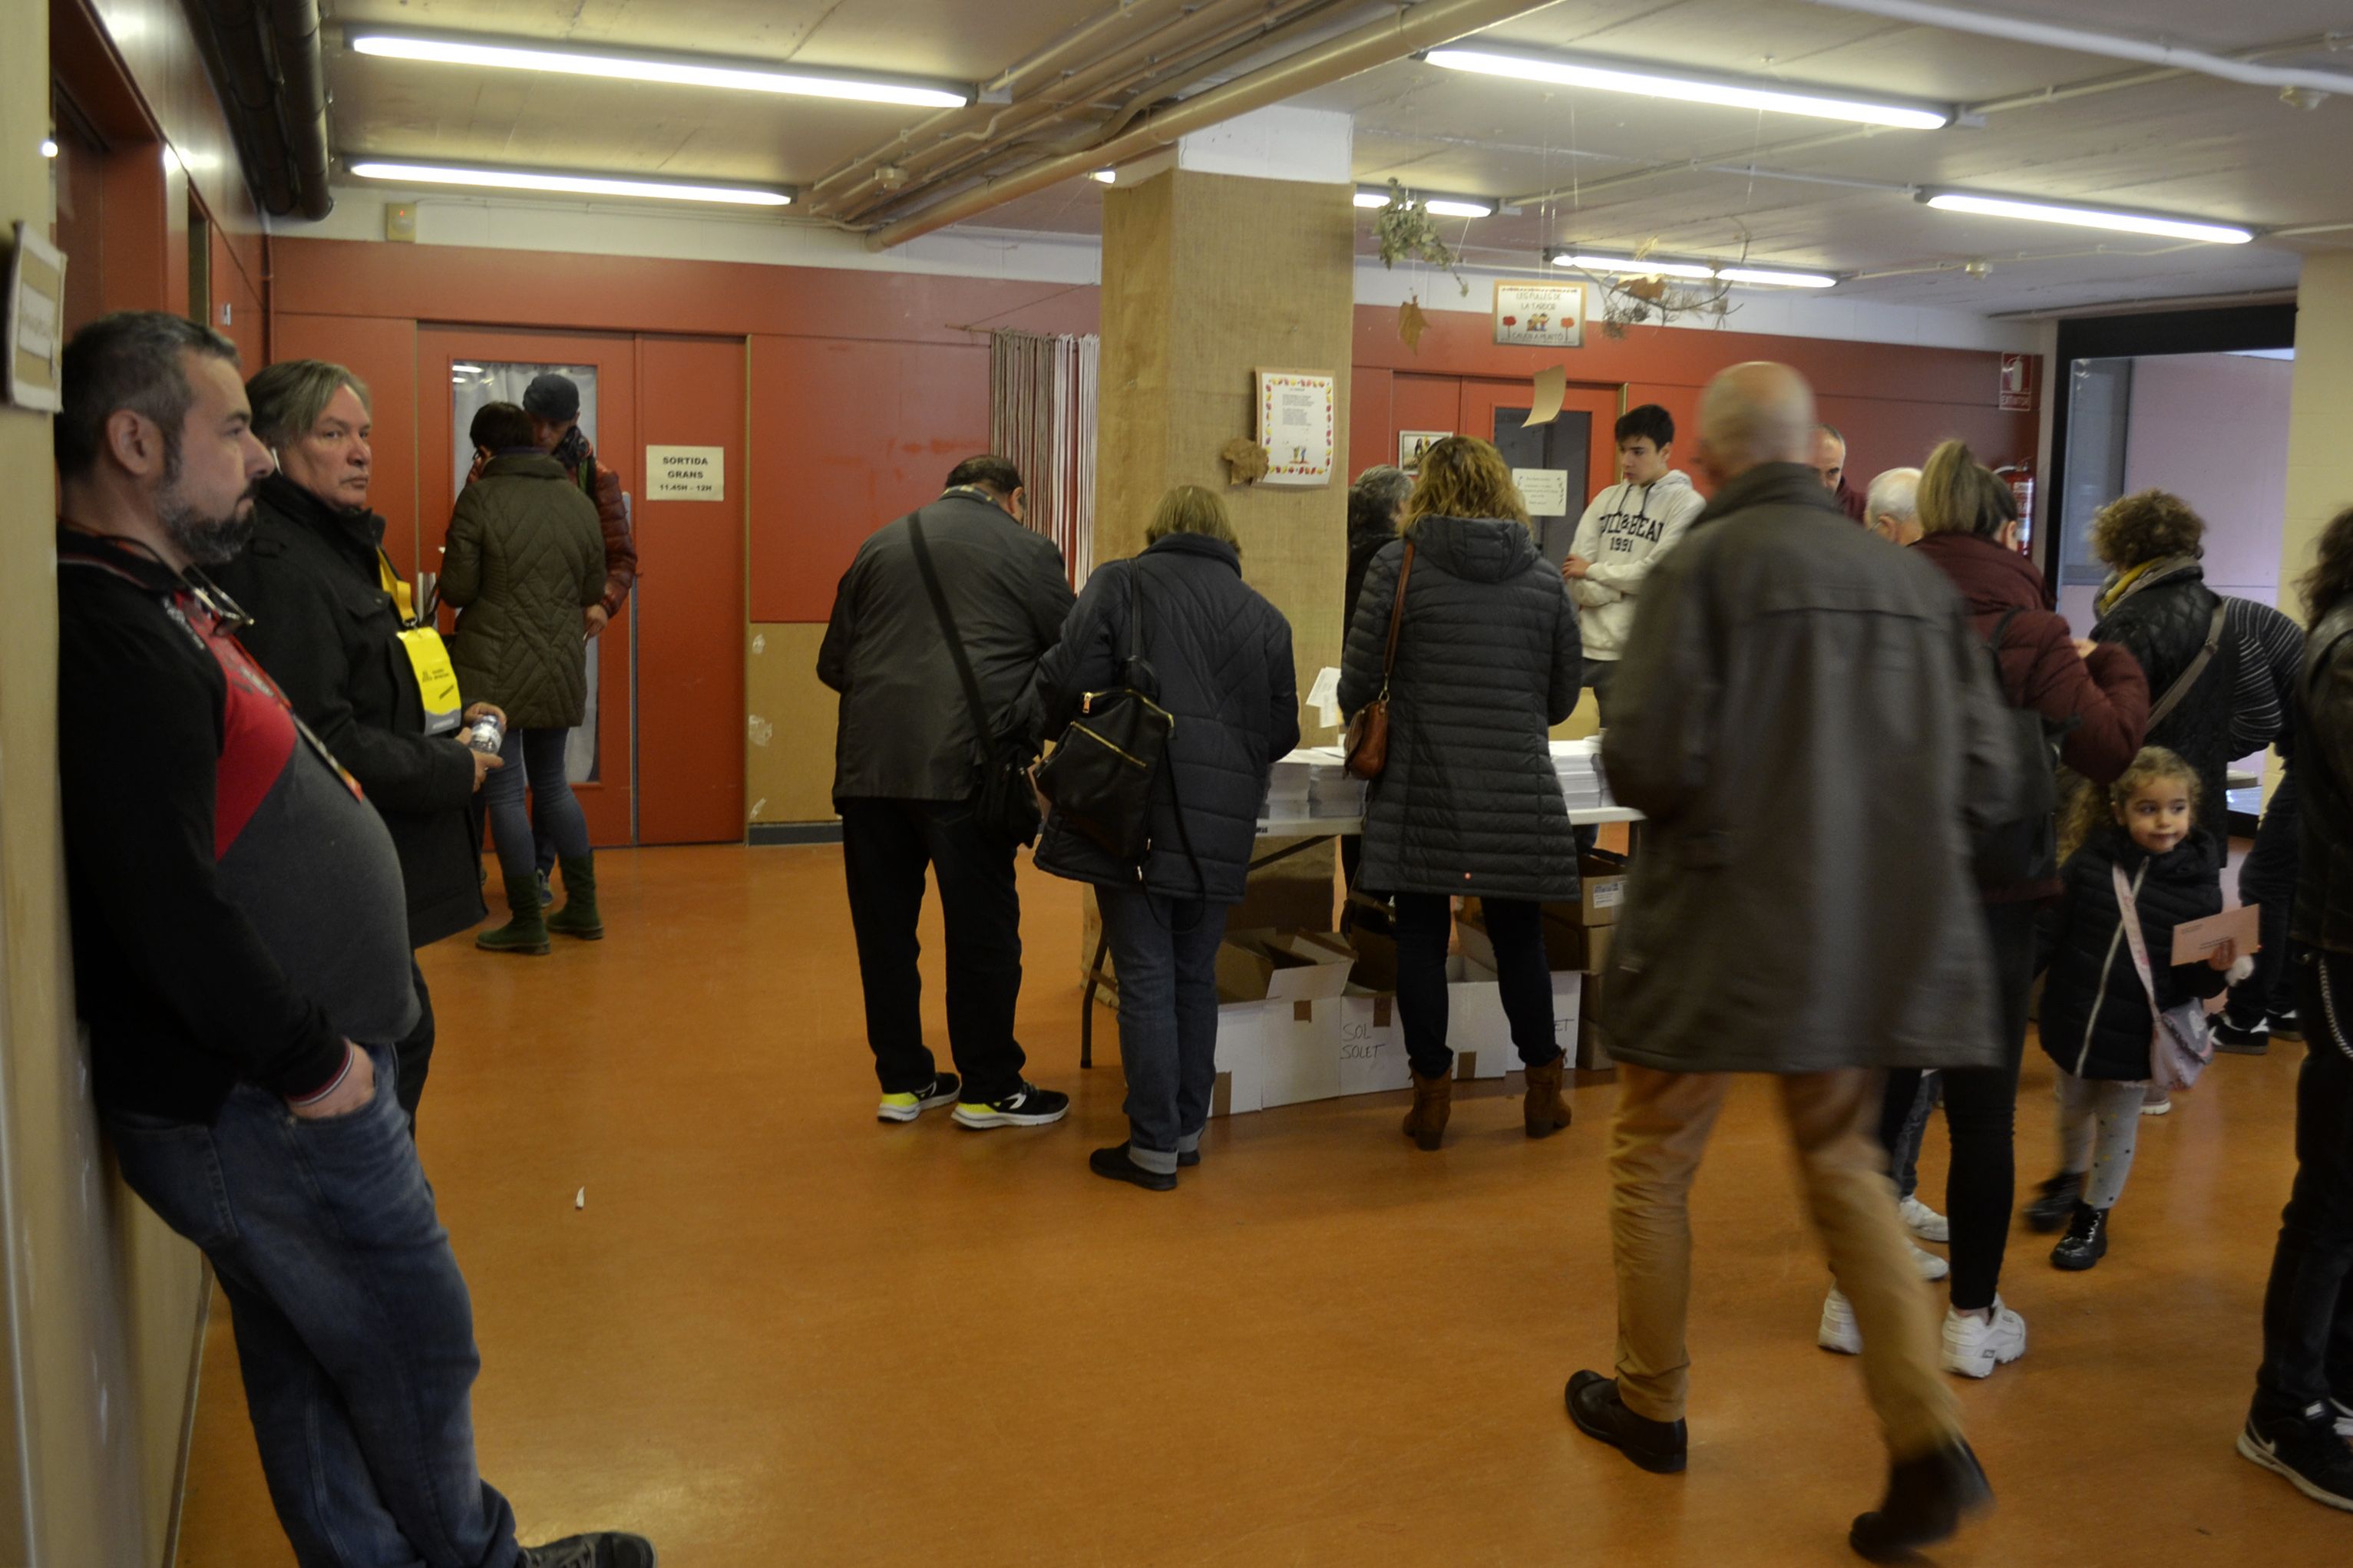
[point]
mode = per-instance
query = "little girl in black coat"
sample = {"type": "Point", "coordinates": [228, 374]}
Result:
{"type": "Point", "coordinates": [2096, 1020]}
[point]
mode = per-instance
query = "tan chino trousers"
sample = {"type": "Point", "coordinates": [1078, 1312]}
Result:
{"type": "Point", "coordinates": [1661, 1128]}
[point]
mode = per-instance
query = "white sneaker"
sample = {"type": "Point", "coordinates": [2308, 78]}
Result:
{"type": "Point", "coordinates": [1974, 1346]}
{"type": "Point", "coordinates": [1925, 1222]}
{"type": "Point", "coordinates": [1930, 1266]}
{"type": "Point", "coordinates": [1837, 1331]}
{"type": "Point", "coordinates": [2155, 1101]}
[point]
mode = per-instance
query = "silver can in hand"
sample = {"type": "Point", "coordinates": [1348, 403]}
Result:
{"type": "Point", "coordinates": [487, 733]}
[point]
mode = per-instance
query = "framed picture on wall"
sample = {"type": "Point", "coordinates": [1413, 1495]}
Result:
{"type": "Point", "coordinates": [1540, 315]}
{"type": "Point", "coordinates": [1296, 419]}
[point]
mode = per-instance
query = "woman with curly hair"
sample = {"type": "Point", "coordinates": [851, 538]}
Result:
{"type": "Point", "coordinates": [2303, 1408]}
{"type": "Point", "coordinates": [1488, 659]}
{"type": "Point", "coordinates": [2155, 606]}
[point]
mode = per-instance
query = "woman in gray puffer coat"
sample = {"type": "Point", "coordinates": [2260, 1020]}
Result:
{"type": "Point", "coordinates": [525, 557]}
{"type": "Point", "coordinates": [1487, 661]}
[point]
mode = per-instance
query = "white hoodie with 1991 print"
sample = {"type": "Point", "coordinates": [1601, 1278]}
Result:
{"type": "Point", "coordinates": [1623, 534]}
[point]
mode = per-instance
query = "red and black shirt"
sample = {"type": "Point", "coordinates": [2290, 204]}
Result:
{"type": "Point", "coordinates": [237, 909]}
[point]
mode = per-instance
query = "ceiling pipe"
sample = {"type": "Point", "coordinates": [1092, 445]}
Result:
{"type": "Point", "coordinates": [2083, 40]}
{"type": "Point", "coordinates": [267, 62]}
{"type": "Point", "coordinates": [1421, 26]}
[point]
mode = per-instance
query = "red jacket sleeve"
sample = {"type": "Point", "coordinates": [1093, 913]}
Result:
{"type": "Point", "coordinates": [2106, 695]}
{"type": "Point", "coordinates": [621, 549]}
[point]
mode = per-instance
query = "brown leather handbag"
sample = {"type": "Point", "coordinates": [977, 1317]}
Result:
{"type": "Point", "coordinates": [1368, 738]}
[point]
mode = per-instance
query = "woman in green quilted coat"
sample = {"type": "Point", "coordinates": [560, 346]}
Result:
{"type": "Point", "coordinates": [525, 556]}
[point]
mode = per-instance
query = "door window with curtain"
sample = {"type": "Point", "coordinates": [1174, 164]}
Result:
{"type": "Point", "coordinates": [473, 386]}
{"type": "Point", "coordinates": [1041, 414]}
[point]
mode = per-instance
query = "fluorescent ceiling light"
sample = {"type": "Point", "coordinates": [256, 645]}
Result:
{"type": "Point", "coordinates": [1437, 206]}
{"type": "Point", "coordinates": [1634, 268]}
{"type": "Point", "coordinates": [569, 184]}
{"type": "Point", "coordinates": [677, 70]}
{"type": "Point", "coordinates": [2088, 217]}
{"type": "Point", "coordinates": [1105, 176]}
{"type": "Point", "coordinates": [464, 369]}
{"type": "Point", "coordinates": [1612, 77]}
{"type": "Point", "coordinates": [1755, 274]}
{"type": "Point", "coordinates": [48, 147]}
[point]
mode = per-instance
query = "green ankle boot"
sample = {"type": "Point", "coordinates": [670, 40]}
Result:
{"type": "Point", "coordinates": [578, 916]}
{"type": "Point", "coordinates": [526, 931]}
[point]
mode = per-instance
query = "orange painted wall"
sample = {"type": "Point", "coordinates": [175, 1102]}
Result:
{"type": "Point", "coordinates": [1893, 402]}
{"type": "Point", "coordinates": [382, 354]}
{"type": "Point", "coordinates": [689, 600]}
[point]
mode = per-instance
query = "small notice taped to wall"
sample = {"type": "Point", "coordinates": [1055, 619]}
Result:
{"type": "Point", "coordinates": [1545, 490]}
{"type": "Point", "coordinates": [686, 473]}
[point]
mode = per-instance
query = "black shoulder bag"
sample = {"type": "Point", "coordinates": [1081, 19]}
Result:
{"type": "Point", "coordinates": [1099, 775]}
{"type": "Point", "coordinates": [1004, 803]}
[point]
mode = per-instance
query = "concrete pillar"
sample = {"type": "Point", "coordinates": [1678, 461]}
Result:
{"type": "Point", "coordinates": [2319, 458]}
{"type": "Point", "coordinates": [1236, 254]}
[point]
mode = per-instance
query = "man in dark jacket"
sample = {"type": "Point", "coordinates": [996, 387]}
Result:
{"type": "Point", "coordinates": [907, 770]}
{"type": "Point", "coordinates": [2302, 1409]}
{"type": "Point", "coordinates": [328, 629]}
{"type": "Point", "coordinates": [241, 960]}
{"type": "Point", "coordinates": [1807, 721]}
{"type": "Point", "coordinates": [1829, 462]}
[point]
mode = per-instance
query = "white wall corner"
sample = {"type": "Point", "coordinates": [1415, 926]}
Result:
{"type": "Point", "coordinates": [1278, 144]}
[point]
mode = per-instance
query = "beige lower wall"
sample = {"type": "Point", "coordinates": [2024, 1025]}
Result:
{"type": "Point", "coordinates": [103, 1301]}
{"type": "Point", "coordinates": [788, 749]}
{"type": "Point", "coordinates": [2319, 459]}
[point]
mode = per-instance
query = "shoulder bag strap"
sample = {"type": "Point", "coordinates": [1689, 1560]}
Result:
{"type": "Point", "coordinates": [982, 729]}
{"type": "Point", "coordinates": [2135, 937]}
{"type": "Point", "coordinates": [2189, 677]}
{"type": "Point", "coordinates": [1397, 617]}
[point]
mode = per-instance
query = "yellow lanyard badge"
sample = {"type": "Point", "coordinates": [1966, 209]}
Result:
{"type": "Point", "coordinates": [436, 681]}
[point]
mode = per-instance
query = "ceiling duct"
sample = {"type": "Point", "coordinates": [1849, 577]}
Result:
{"type": "Point", "coordinates": [266, 62]}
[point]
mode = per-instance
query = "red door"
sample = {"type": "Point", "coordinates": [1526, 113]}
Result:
{"type": "Point", "coordinates": [458, 369]}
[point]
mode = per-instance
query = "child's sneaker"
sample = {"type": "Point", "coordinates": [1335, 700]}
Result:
{"type": "Point", "coordinates": [1925, 1222]}
{"type": "Point", "coordinates": [2057, 1203]}
{"type": "Point", "coordinates": [2306, 1450]}
{"type": "Point", "coordinates": [907, 1107]}
{"type": "Point", "coordinates": [1837, 1331]}
{"type": "Point", "coordinates": [1974, 1346]}
{"type": "Point", "coordinates": [2085, 1243]}
{"type": "Point", "coordinates": [2155, 1101]}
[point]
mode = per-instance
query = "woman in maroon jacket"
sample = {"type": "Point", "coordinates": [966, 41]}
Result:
{"type": "Point", "coordinates": [2099, 694]}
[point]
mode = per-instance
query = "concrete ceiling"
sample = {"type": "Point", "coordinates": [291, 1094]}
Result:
{"type": "Point", "coordinates": [1595, 169]}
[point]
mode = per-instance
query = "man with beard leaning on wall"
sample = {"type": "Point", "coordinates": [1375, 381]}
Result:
{"type": "Point", "coordinates": [241, 958]}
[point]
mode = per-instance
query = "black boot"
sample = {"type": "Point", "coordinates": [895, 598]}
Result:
{"type": "Point", "coordinates": [2057, 1203]}
{"type": "Point", "coordinates": [1927, 1500]}
{"type": "Point", "coordinates": [2086, 1241]}
{"type": "Point", "coordinates": [1662, 1447]}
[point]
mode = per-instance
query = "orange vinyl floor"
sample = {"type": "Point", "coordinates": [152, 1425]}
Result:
{"type": "Point", "coordinates": [780, 1333]}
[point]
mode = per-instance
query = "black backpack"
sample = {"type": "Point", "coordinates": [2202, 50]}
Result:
{"type": "Point", "coordinates": [2022, 845]}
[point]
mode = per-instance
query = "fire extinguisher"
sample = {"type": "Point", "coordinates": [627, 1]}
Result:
{"type": "Point", "coordinates": [2020, 476]}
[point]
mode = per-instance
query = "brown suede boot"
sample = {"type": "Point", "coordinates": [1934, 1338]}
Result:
{"type": "Point", "coordinates": [1433, 1103]}
{"type": "Point", "coordinates": [1546, 1111]}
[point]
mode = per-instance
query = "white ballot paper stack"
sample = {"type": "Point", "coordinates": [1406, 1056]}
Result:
{"type": "Point", "coordinates": [1313, 782]}
{"type": "Point", "coordinates": [1579, 764]}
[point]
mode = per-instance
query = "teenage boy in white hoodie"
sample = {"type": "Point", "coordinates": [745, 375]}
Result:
{"type": "Point", "coordinates": [1626, 531]}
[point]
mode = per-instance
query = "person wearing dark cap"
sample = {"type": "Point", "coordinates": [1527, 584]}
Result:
{"type": "Point", "coordinates": [553, 401]}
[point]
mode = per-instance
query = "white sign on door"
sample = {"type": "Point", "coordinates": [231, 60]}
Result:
{"type": "Point", "coordinates": [1545, 490]}
{"type": "Point", "coordinates": [686, 473]}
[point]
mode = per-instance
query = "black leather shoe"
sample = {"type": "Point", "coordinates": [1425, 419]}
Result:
{"type": "Point", "coordinates": [1927, 1500]}
{"type": "Point", "coordinates": [2085, 1243]}
{"type": "Point", "coordinates": [1113, 1162]}
{"type": "Point", "coordinates": [1660, 1447]}
{"type": "Point", "coordinates": [1188, 1158]}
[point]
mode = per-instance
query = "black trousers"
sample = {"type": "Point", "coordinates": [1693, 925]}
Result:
{"type": "Point", "coordinates": [885, 846]}
{"type": "Point", "coordinates": [2267, 878]}
{"type": "Point", "coordinates": [415, 1054]}
{"type": "Point", "coordinates": [1982, 1118]}
{"type": "Point", "coordinates": [1517, 928]}
{"type": "Point", "coordinates": [2308, 1305]}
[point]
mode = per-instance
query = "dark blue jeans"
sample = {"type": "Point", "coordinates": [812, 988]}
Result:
{"type": "Point", "coordinates": [2308, 1306]}
{"type": "Point", "coordinates": [353, 1328]}
{"type": "Point", "coordinates": [1164, 953]}
{"type": "Point", "coordinates": [534, 763]}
